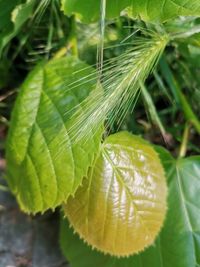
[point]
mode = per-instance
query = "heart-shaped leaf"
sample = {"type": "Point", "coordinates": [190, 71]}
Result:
{"type": "Point", "coordinates": [44, 168]}
{"type": "Point", "coordinates": [121, 206]}
{"type": "Point", "coordinates": [148, 10]}
{"type": "Point", "coordinates": [178, 243]}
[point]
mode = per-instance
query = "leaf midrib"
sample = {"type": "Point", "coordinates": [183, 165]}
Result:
{"type": "Point", "coordinates": [126, 188]}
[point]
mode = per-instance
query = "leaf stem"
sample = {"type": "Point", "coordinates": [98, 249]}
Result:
{"type": "Point", "coordinates": [183, 148]}
{"type": "Point", "coordinates": [100, 48]}
{"type": "Point", "coordinates": [71, 41]}
{"type": "Point", "coordinates": [72, 36]}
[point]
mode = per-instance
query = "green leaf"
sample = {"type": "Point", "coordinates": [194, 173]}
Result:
{"type": "Point", "coordinates": [180, 238]}
{"type": "Point", "coordinates": [79, 254]}
{"type": "Point", "coordinates": [6, 8]}
{"type": "Point", "coordinates": [89, 10]}
{"type": "Point", "coordinates": [121, 207]}
{"type": "Point", "coordinates": [44, 168]}
{"type": "Point", "coordinates": [148, 10]}
{"type": "Point", "coordinates": [13, 15]}
{"type": "Point", "coordinates": [178, 243]}
{"type": "Point", "coordinates": [163, 10]}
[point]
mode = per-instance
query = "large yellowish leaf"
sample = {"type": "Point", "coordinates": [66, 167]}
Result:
{"type": "Point", "coordinates": [178, 244]}
{"type": "Point", "coordinates": [121, 206]}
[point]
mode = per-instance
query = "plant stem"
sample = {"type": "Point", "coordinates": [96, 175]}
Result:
{"type": "Point", "coordinates": [72, 36]}
{"type": "Point", "coordinates": [152, 109]}
{"type": "Point", "coordinates": [50, 33]}
{"type": "Point", "coordinates": [183, 148]}
{"type": "Point", "coordinates": [178, 95]}
{"type": "Point", "coordinates": [71, 42]}
{"type": "Point", "coordinates": [102, 35]}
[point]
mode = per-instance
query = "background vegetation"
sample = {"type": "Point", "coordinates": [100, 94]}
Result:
{"type": "Point", "coordinates": [166, 112]}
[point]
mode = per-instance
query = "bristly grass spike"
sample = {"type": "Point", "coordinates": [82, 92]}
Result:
{"type": "Point", "coordinates": [119, 87]}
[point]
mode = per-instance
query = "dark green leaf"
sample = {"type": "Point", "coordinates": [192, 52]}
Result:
{"type": "Point", "coordinates": [79, 254]}
{"type": "Point", "coordinates": [180, 238]}
{"type": "Point", "coordinates": [12, 17]}
{"type": "Point", "coordinates": [6, 8]}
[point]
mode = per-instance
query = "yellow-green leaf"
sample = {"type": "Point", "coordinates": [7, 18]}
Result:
{"type": "Point", "coordinates": [178, 243]}
{"type": "Point", "coordinates": [121, 206]}
{"type": "Point", "coordinates": [43, 167]}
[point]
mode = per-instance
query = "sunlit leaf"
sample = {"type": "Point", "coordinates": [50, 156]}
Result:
{"type": "Point", "coordinates": [178, 243]}
{"type": "Point", "coordinates": [121, 206]}
{"type": "Point", "coordinates": [44, 168]}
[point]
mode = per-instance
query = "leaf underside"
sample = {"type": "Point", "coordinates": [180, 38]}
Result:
{"type": "Point", "coordinates": [44, 168]}
{"type": "Point", "coordinates": [121, 206]}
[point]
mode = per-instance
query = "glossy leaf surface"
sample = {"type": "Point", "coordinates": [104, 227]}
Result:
{"type": "Point", "coordinates": [121, 206]}
{"type": "Point", "coordinates": [178, 243]}
{"type": "Point", "coordinates": [148, 10]}
{"type": "Point", "coordinates": [44, 168]}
